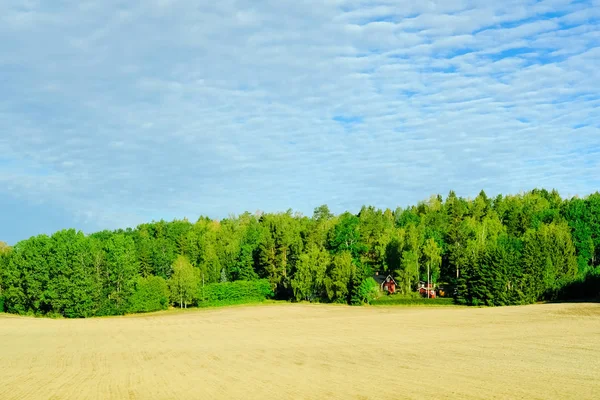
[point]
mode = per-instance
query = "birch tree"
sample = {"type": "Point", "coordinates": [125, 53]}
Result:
{"type": "Point", "coordinates": [183, 284]}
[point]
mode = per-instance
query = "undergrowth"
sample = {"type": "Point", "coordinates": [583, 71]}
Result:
{"type": "Point", "coordinates": [411, 300]}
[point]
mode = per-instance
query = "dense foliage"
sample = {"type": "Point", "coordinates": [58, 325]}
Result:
{"type": "Point", "coordinates": [150, 294]}
{"type": "Point", "coordinates": [506, 250]}
{"type": "Point", "coordinates": [412, 300]}
{"type": "Point", "coordinates": [234, 292]}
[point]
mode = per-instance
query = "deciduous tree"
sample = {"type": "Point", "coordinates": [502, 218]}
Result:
{"type": "Point", "coordinates": [183, 284]}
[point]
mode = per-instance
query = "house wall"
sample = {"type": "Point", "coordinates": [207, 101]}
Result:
{"type": "Point", "coordinates": [390, 287]}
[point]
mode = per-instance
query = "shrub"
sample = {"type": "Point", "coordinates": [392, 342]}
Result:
{"type": "Point", "coordinates": [1, 304]}
{"type": "Point", "coordinates": [235, 292]}
{"type": "Point", "coordinates": [412, 300]}
{"type": "Point", "coordinates": [368, 290]}
{"type": "Point", "coordinates": [151, 294]}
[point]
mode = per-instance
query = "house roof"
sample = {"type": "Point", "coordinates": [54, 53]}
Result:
{"type": "Point", "coordinates": [381, 279]}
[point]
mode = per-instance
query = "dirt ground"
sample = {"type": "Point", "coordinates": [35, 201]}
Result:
{"type": "Point", "coordinates": [289, 351]}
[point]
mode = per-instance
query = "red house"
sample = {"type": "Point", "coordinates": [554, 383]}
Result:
{"type": "Point", "coordinates": [386, 283]}
{"type": "Point", "coordinates": [389, 285]}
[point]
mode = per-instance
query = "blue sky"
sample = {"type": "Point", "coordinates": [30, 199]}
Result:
{"type": "Point", "coordinates": [114, 113]}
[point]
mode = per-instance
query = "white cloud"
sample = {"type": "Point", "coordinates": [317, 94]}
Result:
{"type": "Point", "coordinates": [122, 112]}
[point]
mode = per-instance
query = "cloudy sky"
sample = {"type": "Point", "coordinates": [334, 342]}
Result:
{"type": "Point", "coordinates": [114, 113]}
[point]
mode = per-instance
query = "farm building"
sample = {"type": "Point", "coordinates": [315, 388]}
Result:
{"type": "Point", "coordinates": [386, 283]}
{"type": "Point", "coordinates": [424, 288]}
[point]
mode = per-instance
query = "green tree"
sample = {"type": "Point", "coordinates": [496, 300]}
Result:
{"type": "Point", "coordinates": [480, 207]}
{"type": "Point", "coordinates": [580, 220]}
{"type": "Point", "coordinates": [345, 236]}
{"type": "Point", "coordinates": [279, 249]}
{"type": "Point", "coordinates": [322, 213]}
{"type": "Point", "coordinates": [549, 260]}
{"type": "Point", "coordinates": [183, 284]}
{"type": "Point", "coordinates": [308, 282]}
{"type": "Point", "coordinates": [393, 251]}
{"type": "Point", "coordinates": [122, 269]}
{"type": "Point", "coordinates": [4, 256]}
{"type": "Point", "coordinates": [250, 239]}
{"type": "Point", "coordinates": [144, 251]}
{"type": "Point", "coordinates": [433, 259]}
{"type": "Point", "coordinates": [339, 276]}
{"type": "Point", "coordinates": [375, 229]}
{"type": "Point", "coordinates": [26, 277]}
{"type": "Point", "coordinates": [72, 284]}
{"type": "Point", "coordinates": [368, 290]}
{"type": "Point", "coordinates": [414, 250]}
{"type": "Point", "coordinates": [150, 294]}
{"type": "Point", "coordinates": [402, 264]}
{"type": "Point", "coordinates": [456, 235]}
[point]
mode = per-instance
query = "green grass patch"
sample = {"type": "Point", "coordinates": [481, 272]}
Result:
{"type": "Point", "coordinates": [404, 300]}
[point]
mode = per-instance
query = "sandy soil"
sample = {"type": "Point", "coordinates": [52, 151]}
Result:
{"type": "Point", "coordinates": [308, 352]}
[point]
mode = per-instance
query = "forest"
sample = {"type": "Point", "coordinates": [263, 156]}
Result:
{"type": "Point", "coordinates": [506, 250]}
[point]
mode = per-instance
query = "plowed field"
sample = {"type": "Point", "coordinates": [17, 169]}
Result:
{"type": "Point", "coordinates": [287, 351]}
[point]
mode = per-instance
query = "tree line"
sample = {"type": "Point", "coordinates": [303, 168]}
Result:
{"type": "Point", "coordinates": [514, 249]}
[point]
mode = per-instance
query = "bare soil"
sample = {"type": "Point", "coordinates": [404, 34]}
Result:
{"type": "Point", "coordinates": [549, 351]}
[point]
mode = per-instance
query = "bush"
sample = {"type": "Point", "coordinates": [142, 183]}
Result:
{"type": "Point", "coordinates": [235, 292]}
{"type": "Point", "coordinates": [151, 294]}
{"type": "Point", "coordinates": [368, 290]}
{"type": "Point", "coordinates": [412, 300]}
{"type": "Point", "coordinates": [1, 304]}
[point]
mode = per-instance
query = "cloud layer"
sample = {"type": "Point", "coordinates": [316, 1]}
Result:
{"type": "Point", "coordinates": [121, 112]}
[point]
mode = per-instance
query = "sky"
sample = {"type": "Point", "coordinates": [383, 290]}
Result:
{"type": "Point", "coordinates": [114, 113]}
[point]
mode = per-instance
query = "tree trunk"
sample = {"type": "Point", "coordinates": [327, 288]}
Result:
{"type": "Point", "coordinates": [285, 262]}
{"type": "Point", "coordinates": [428, 285]}
{"type": "Point", "coordinates": [457, 265]}
{"type": "Point", "coordinates": [418, 272]}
